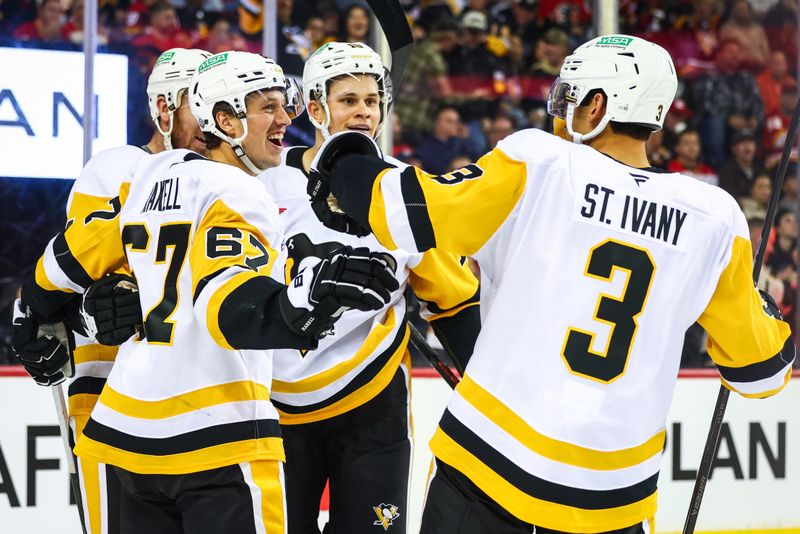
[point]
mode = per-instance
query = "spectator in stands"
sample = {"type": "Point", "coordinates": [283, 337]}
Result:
{"type": "Point", "coordinates": [73, 28]}
{"type": "Point", "coordinates": [355, 25]}
{"type": "Point", "coordinates": [425, 83]}
{"type": "Point", "coordinates": [726, 101]}
{"type": "Point", "coordinates": [46, 27]}
{"type": "Point", "coordinates": [744, 28]}
{"type": "Point", "coordinates": [221, 37]}
{"type": "Point", "coordinates": [788, 199]}
{"type": "Point", "coordinates": [777, 124]}
{"type": "Point", "coordinates": [694, 39]}
{"type": "Point", "coordinates": [754, 204]}
{"type": "Point", "coordinates": [315, 32]}
{"type": "Point", "coordinates": [657, 154]}
{"type": "Point", "coordinates": [161, 33]}
{"type": "Point", "coordinates": [736, 175]}
{"type": "Point", "coordinates": [447, 141]}
{"type": "Point", "coordinates": [551, 50]}
{"type": "Point", "coordinates": [687, 158]}
{"type": "Point", "coordinates": [782, 261]}
{"type": "Point", "coordinates": [780, 24]}
{"type": "Point", "coordinates": [501, 127]}
{"type": "Point", "coordinates": [771, 81]}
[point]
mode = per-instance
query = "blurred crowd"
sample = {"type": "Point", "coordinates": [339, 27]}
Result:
{"type": "Point", "coordinates": [482, 69]}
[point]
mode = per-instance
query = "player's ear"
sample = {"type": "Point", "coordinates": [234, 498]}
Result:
{"type": "Point", "coordinates": [597, 108]}
{"type": "Point", "coordinates": [314, 109]}
{"type": "Point", "coordinates": [163, 112]}
{"type": "Point", "coordinates": [228, 124]}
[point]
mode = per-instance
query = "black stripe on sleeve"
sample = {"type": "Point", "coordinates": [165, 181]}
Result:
{"type": "Point", "coordinates": [206, 279]}
{"type": "Point", "coordinates": [187, 442]}
{"type": "Point", "coordinates": [436, 310]}
{"type": "Point", "coordinates": [537, 487]}
{"type": "Point", "coordinates": [364, 377]}
{"type": "Point", "coordinates": [761, 370]}
{"type": "Point", "coordinates": [458, 334]}
{"type": "Point", "coordinates": [86, 384]}
{"type": "Point", "coordinates": [417, 209]}
{"type": "Point", "coordinates": [250, 318]}
{"type": "Point", "coordinates": [67, 262]}
{"type": "Point", "coordinates": [352, 182]}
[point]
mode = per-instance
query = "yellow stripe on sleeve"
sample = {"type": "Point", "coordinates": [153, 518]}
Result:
{"type": "Point", "coordinates": [740, 332]}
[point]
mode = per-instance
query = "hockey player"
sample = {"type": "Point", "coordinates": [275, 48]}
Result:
{"type": "Point", "coordinates": [185, 418]}
{"type": "Point", "coordinates": [593, 266]}
{"type": "Point", "coordinates": [344, 407]}
{"type": "Point", "coordinates": [90, 196]}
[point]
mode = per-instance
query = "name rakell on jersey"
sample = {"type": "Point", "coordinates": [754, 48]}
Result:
{"type": "Point", "coordinates": [631, 213]}
{"type": "Point", "coordinates": [163, 196]}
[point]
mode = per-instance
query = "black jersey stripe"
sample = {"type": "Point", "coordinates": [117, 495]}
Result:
{"type": "Point", "coordinates": [86, 384]}
{"type": "Point", "coordinates": [417, 210]}
{"type": "Point", "coordinates": [365, 376]}
{"type": "Point", "coordinates": [186, 442]}
{"type": "Point", "coordinates": [539, 488]}
{"type": "Point", "coordinates": [758, 371]}
{"type": "Point", "coordinates": [67, 263]}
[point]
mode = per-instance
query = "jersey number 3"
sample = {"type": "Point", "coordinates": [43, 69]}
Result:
{"type": "Point", "coordinates": [619, 313]}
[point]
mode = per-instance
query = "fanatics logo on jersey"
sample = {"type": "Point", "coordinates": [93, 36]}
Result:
{"type": "Point", "coordinates": [387, 514]}
{"type": "Point", "coordinates": [281, 210]}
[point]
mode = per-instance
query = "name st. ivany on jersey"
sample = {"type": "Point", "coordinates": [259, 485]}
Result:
{"type": "Point", "coordinates": [631, 213]}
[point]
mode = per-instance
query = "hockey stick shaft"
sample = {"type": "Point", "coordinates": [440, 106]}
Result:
{"type": "Point", "coordinates": [704, 471]}
{"type": "Point", "coordinates": [421, 345]}
{"type": "Point", "coordinates": [393, 21]}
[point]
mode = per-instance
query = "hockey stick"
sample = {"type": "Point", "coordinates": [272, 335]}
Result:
{"type": "Point", "coordinates": [704, 471]}
{"type": "Point", "coordinates": [421, 345]}
{"type": "Point", "coordinates": [398, 34]}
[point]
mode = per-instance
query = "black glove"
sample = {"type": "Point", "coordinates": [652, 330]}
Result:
{"type": "Point", "coordinates": [771, 308]}
{"type": "Point", "coordinates": [333, 151]}
{"type": "Point", "coordinates": [43, 349]}
{"type": "Point", "coordinates": [111, 309]}
{"type": "Point", "coordinates": [347, 279]}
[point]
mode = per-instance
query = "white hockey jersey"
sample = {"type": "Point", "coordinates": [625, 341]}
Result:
{"type": "Point", "coordinates": [91, 196]}
{"type": "Point", "coordinates": [591, 273]}
{"type": "Point", "coordinates": [193, 232]}
{"type": "Point", "coordinates": [359, 359]}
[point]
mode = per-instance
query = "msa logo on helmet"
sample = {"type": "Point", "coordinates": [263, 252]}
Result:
{"type": "Point", "coordinates": [615, 40]}
{"type": "Point", "coordinates": [166, 56]}
{"type": "Point", "coordinates": [212, 61]}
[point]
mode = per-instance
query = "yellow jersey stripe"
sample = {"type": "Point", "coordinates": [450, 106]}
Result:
{"type": "Point", "coordinates": [315, 382]}
{"type": "Point", "coordinates": [532, 510]}
{"type": "Point", "coordinates": [553, 449]}
{"type": "Point", "coordinates": [268, 477]}
{"type": "Point", "coordinates": [191, 401]}
{"type": "Point", "coordinates": [377, 214]}
{"type": "Point", "coordinates": [222, 455]}
{"type": "Point", "coordinates": [94, 353]}
{"type": "Point", "coordinates": [355, 399]}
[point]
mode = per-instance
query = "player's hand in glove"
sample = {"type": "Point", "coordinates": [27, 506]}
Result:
{"type": "Point", "coordinates": [336, 149]}
{"type": "Point", "coordinates": [43, 349]}
{"type": "Point", "coordinates": [789, 350]}
{"type": "Point", "coordinates": [347, 279]}
{"type": "Point", "coordinates": [111, 312]}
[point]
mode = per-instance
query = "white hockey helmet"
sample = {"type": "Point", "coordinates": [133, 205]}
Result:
{"type": "Point", "coordinates": [335, 59]}
{"type": "Point", "coordinates": [637, 77]}
{"type": "Point", "coordinates": [229, 77]}
{"type": "Point", "coordinates": [172, 72]}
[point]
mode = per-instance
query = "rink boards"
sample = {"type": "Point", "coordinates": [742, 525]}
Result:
{"type": "Point", "coordinates": [754, 487]}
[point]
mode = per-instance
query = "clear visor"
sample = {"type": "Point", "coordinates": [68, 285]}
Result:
{"type": "Point", "coordinates": [559, 97]}
{"type": "Point", "coordinates": [269, 100]}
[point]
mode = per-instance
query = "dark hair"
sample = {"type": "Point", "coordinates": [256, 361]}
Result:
{"type": "Point", "coordinates": [160, 6]}
{"type": "Point", "coordinates": [343, 21]}
{"type": "Point", "coordinates": [640, 132]}
{"type": "Point", "coordinates": [684, 133]}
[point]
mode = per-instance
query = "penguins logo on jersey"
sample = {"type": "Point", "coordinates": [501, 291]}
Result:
{"type": "Point", "coordinates": [387, 514]}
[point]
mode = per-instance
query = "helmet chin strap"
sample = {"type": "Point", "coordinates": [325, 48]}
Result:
{"type": "Point", "coordinates": [578, 137]}
{"type": "Point", "coordinates": [168, 134]}
{"type": "Point", "coordinates": [236, 145]}
{"type": "Point", "coordinates": [324, 126]}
